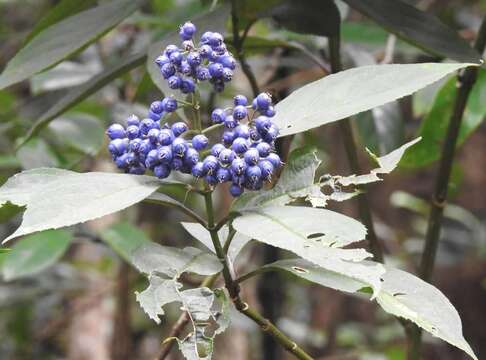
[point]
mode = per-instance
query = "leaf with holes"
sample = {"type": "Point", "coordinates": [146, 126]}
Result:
{"type": "Point", "coordinates": [350, 92]}
{"type": "Point", "coordinates": [202, 234]}
{"type": "Point", "coordinates": [316, 235]}
{"type": "Point", "coordinates": [409, 297]}
{"type": "Point", "coordinates": [295, 182]}
{"type": "Point", "coordinates": [35, 253]}
{"type": "Point", "coordinates": [59, 41]}
{"type": "Point", "coordinates": [56, 198]}
{"type": "Point", "coordinates": [387, 164]}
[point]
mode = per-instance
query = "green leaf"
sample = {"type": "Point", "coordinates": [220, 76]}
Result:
{"type": "Point", "coordinates": [411, 298]}
{"type": "Point", "coordinates": [81, 131]}
{"type": "Point", "coordinates": [434, 127]}
{"type": "Point", "coordinates": [296, 181]}
{"type": "Point", "coordinates": [417, 27]}
{"type": "Point", "coordinates": [386, 164]}
{"type": "Point", "coordinates": [63, 9]}
{"type": "Point", "coordinates": [56, 198]}
{"type": "Point", "coordinates": [64, 38]}
{"type": "Point", "coordinates": [124, 239]}
{"type": "Point", "coordinates": [201, 234]}
{"type": "Point", "coordinates": [35, 253]}
{"type": "Point", "coordinates": [349, 92]}
{"type": "Point", "coordinates": [255, 45]}
{"type": "Point", "coordinates": [81, 92]}
{"type": "Point", "coordinates": [213, 20]}
{"type": "Point", "coordinates": [316, 235]}
{"type": "Point", "coordinates": [317, 17]}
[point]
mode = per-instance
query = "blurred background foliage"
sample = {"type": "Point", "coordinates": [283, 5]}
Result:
{"type": "Point", "coordinates": [68, 294]}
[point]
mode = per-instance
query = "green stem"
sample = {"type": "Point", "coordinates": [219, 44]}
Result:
{"type": "Point", "coordinates": [234, 291]}
{"type": "Point", "coordinates": [465, 83]}
{"type": "Point", "coordinates": [352, 154]}
{"type": "Point", "coordinates": [196, 108]}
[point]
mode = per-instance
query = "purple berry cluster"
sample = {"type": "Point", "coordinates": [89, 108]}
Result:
{"type": "Point", "coordinates": [184, 66]}
{"type": "Point", "coordinates": [146, 144]}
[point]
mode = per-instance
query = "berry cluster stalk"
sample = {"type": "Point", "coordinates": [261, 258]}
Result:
{"type": "Point", "coordinates": [465, 83]}
{"type": "Point", "coordinates": [352, 154]}
{"type": "Point", "coordinates": [234, 290]}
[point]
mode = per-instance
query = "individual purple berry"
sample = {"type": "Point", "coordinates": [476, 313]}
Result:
{"type": "Point", "coordinates": [239, 112]}
{"type": "Point", "coordinates": [194, 59]}
{"type": "Point", "coordinates": [137, 170]}
{"type": "Point", "coordinates": [271, 134]}
{"type": "Point", "coordinates": [145, 147]}
{"type": "Point", "coordinates": [153, 135]}
{"type": "Point", "coordinates": [239, 145]}
{"type": "Point", "coordinates": [263, 101]}
{"type": "Point", "coordinates": [274, 159]}
{"type": "Point", "coordinates": [242, 131]}
{"type": "Point", "coordinates": [227, 61]}
{"type": "Point", "coordinates": [177, 164]}
{"type": "Point", "coordinates": [188, 86]}
{"type": "Point", "coordinates": [167, 70]}
{"type": "Point", "coordinates": [157, 107]}
{"type": "Point", "coordinates": [186, 69]}
{"type": "Point", "coordinates": [170, 104]}
{"type": "Point", "coordinates": [223, 175]}
{"type": "Point", "coordinates": [254, 135]}
{"type": "Point", "coordinates": [200, 142]}
{"type": "Point", "coordinates": [133, 120]}
{"type": "Point", "coordinates": [253, 174]}
{"type": "Point", "coordinates": [236, 190]}
{"type": "Point", "coordinates": [216, 70]}
{"type": "Point", "coordinates": [211, 179]}
{"type": "Point", "coordinates": [240, 100]}
{"type": "Point", "coordinates": [227, 75]}
{"type": "Point", "coordinates": [197, 170]}
{"type": "Point", "coordinates": [164, 154]}
{"type": "Point", "coordinates": [162, 60]}
{"type": "Point", "coordinates": [170, 49]}
{"type": "Point", "coordinates": [215, 39]}
{"type": "Point", "coordinates": [151, 159]}
{"type": "Point", "coordinates": [270, 112]}
{"type": "Point", "coordinates": [226, 156]}
{"type": "Point", "coordinates": [252, 156]}
{"type": "Point", "coordinates": [118, 146]}
{"type": "Point", "coordinates": [263, 149]}
{"type": "Point", "coordinates": [134, 145]}
{"type": "Point", "coordinates": [262, 124]}
{"type": "Point", "coordinates": [218, 116]}
{"type": "Point", "coordinates": [122, 161]}
{"type": "Point", "coordinates": [210, 164]}
{"type": "Point", "coordinates": [115, 131]}
{"type": "Point", "coordinates": [187, 30]}
{"type": "Point", "coordinates": [205, 50]}
{"type": "Point", "coordinates": [179, 128]}
{"type": "Point", "coordinates": [146, 125]}
{"type": "Point", "coordinates": [166, 136]}
{"type": "Point", "coordinates": [154, 116]}
{"type": "Point", "coordinates": [179, 147]}
{"type": "Point", "coordinates": [230, 122]}
{"type": "Point", "coordinates": [191, 157]}
{"type": "Point", "coordinates": [205, 37]}
{"type": "Point", "coordinates": [216, 149]}
{"type": "Point", "coordinates": [174, 82]}
{"type": "Point", "coordinates": [238, 166]}
{"type": "Point", "coordinates": [228, 137]}
{"type": "Point", "coordinates": [162, 171]}
{"type": "Point", "coordinates": [202, 73]}
{"type": "Point", "coordinates": [267, 169]}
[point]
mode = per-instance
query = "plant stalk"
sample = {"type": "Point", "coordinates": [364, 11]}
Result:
{"type": "Point", "coordinates": [465, 83]}
{"type": "Point", "coordinates": [352, 154]}
{"type": "Point", "coordinates": [234, 292]}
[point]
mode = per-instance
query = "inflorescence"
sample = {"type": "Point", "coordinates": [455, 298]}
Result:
{"type": "Point", "coordinates": [245, 154]}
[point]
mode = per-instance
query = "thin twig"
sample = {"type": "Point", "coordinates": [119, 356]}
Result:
{"type": "Point", "coordinates": [234, 292]}
{"type": "Point", "coordinates": [352, 154]}
{"type": "Point", "coordinates": [238, 44]}
{"type": "Point", "coordinates": [465, 83]}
